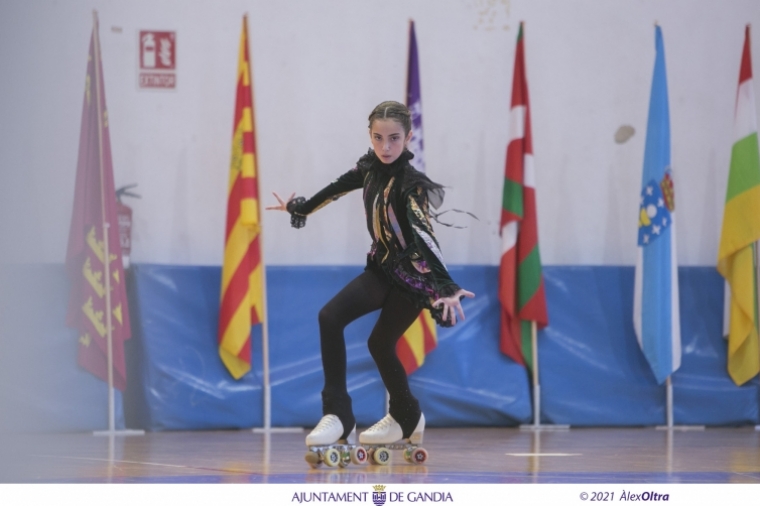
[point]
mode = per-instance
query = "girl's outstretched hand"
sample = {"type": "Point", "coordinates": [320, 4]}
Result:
{"type": "Point", "coordinates": [283, 204]}
{"type": "Point", "coordinates": [451, 305]}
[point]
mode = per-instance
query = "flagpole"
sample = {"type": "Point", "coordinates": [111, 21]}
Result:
{"type": "Point", "coordinates": [669, 402]}
{"type": "Point", "coordinates": [757, 299]}
{"type": "Point", "coordinates": [267, 428]}
{"type": "Point", "coordinates": [670, 426]}
{"type": "Point", "coordinates": [536, 385]}
{"type": "Point", "coordinates": [267, 425]}
{"type": "Point", "coordinates": [265, 341]}
{"type": "Point", "coordinates": [106, 253]}
{"type": "Point", "coordinates": [536, 425]}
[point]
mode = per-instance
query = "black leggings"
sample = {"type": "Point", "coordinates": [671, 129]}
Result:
{"type": "Point", "coordinates": [366, 293]}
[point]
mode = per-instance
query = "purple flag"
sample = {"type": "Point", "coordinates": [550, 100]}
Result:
{"type": "Point", "coordinates": [421, 336]}
{"type": "Point", "coordinates": [95, 205]}
{"type": "Point", "coordinates": [414, 102]}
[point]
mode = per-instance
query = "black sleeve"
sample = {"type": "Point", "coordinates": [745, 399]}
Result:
{"type": "Point", "coordinates": [424, 238]}
{"type": "Point", "coordinates": [299, 207]}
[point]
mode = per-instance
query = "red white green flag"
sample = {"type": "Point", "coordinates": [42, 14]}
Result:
{"type": "Point", "coordinates": [521, 284]}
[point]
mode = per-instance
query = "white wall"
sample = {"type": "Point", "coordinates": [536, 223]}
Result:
{"type": "Point", "coordinates": [320, 67]}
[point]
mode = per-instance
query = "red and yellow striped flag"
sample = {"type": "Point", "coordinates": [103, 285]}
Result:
{"type": "Point", "coordinates": [242, 288]}
{"type": "Point", "coordinates": [420, 338]}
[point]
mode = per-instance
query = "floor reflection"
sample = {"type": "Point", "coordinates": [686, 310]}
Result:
{"type": "Point", "coordinates": [582, 455]}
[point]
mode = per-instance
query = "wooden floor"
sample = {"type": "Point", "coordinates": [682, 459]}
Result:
{"type": "Point", "coordinates": [480, 455]}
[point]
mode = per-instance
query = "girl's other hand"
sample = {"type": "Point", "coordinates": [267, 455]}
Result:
{"type": "Point", "coordinates": [283, 205]}
{"type": "Point", "coordinates": [451, 305]}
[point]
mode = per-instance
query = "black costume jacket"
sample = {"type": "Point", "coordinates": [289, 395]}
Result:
{"type": "Point", "coordinates": [396, 203]}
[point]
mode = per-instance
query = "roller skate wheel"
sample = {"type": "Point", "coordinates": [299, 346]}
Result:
{"type": "Point", "coordinates": [382, 456]}
{"type": "Point", "coordinates": [331, 456]}
{"type": "Point", "coordinates": [313, 459]}
{"type": "Point", "coordinates": [358, 455]}
{"type": "Point", "coordinates": [419, 456]}
{"type": "Point", "coordinates": [408, 455]}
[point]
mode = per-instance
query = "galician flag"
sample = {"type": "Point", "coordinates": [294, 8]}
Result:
{"type": "Point", "coordinates": [421, 337]}
{"type": "Point", "coordinates": [655, 304]}
{"type": "Point", "coordinates": [242, 283]}
{"type": "Point", "coordinates": [521, 284]}
{"type": "Point", "coordinates": [737, 253]}
{"type": "Point", "coordinates": [93, 263]}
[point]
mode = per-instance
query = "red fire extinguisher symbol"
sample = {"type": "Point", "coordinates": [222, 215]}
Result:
{"type": "Point", "coordinates": [158, 50]}
{"type": "Point", "coordinates": [125, 222]}
{"type": "Point", "coordinates": [157, 62]}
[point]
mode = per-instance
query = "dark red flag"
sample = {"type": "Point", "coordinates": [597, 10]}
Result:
{"type": "Point", "coordinates": [95, 285]}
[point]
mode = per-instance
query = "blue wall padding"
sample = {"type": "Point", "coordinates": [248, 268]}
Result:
{"type": "Point", "coordinates": [41, 387]}
{"type": "Point", "coordinates": [592, 371]}
{"type": "Point", "coordinates": [185, 386]}
{"type": "Point", "coordinates": [455, 386]}
{"type": "Point", "coordinates": [466, 380]}
{"type": "Point", "coordinates": [705, 392]}
{"type": "Point", "coordinates": [296, 295]}
{"type": "Point", "coordinates": [183, 383]}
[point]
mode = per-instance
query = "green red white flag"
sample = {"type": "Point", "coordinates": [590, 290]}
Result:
{"type": "Point", "coordinates": [521, 284]}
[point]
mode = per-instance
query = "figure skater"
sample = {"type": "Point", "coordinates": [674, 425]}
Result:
{"type": "Point", "coordinates": [405, 274]}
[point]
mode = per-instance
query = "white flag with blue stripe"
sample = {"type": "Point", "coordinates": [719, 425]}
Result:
{"type": "Point", "coordinates": [656, 315]}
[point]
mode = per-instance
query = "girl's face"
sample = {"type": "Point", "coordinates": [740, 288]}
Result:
{"type": "Point", "coordinates": [388, 139]}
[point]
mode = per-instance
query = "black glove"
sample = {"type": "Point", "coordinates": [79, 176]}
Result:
{"type": "Point", "coordinates": [296, 220]}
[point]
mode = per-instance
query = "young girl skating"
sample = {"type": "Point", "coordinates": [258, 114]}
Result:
{"type": "Point", "coordinates": [405, 274]}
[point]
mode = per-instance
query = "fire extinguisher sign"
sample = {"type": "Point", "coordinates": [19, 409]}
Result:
{"type": "Point", "coordinates": [157, 65]}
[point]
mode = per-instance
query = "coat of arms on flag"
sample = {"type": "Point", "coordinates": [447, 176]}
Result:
{"type": "Point", "coordinates": [656, 204]}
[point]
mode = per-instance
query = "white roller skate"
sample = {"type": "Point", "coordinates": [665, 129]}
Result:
{"type": "Point", "coordinates": [325, 445]}
{"type": "Point", "coordinates": [387, 435]}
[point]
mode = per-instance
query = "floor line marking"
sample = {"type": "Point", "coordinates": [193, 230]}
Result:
{"type": "Point", "coordinates": [237, 471]}
{"type": "Point", "coordinates": [543, 454]}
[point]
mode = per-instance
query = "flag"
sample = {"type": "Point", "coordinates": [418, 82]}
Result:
{"type": "Point", "coordinates": [242, 297]}
{"type": "Point", "coordinates": [95, 206]}
{"type": "Point", "coordinates": [741, 230]}
{"type": "Point", "coordinates": [521, 284]}
{"type": "Point", "coordinates": [656, 315]}
{"type": "Point", "coordinates": [414, 102]}
{"type": "Point", "coordinates": [421, 337]}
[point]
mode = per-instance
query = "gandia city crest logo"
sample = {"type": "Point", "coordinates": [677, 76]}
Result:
{"type": "Point", "coordinates": [378, 496]}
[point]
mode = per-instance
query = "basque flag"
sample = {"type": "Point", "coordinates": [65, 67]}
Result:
{"type": "Point", "coordinates": [521, 283]}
